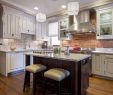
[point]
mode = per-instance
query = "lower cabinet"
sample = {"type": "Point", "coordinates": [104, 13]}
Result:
{"type": "Point", "coordinates": [102, 64]}
{"type": "Point", "coordinates": [15, 61]}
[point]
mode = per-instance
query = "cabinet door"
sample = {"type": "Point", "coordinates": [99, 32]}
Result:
{"type": "Point", "coordinates": [15, 26]}
{"type": "Point", "coordinates": [41, 31]}
{"type": "Point", "coordinates": [13, 61]}
{"type": "Point", "coordinates": [105, 24]}
{"type": "Point", "coordinates": [16, 61]}
{"type": "Point", "coordinates": [7, 26]}
{"type": "Point", "coordinates": [108, 66]}
{"type": "Point", "coordinates": [11, 28]}
{"type": "Point", "coordinates": [27, 24]}
{"type": "Point", "coordinates": [97, 67]}
{"type": "Point", "coordinates": [20, 60]}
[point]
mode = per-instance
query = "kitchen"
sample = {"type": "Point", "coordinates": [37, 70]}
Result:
{"type": "Point", "coordinates": [51, 33]}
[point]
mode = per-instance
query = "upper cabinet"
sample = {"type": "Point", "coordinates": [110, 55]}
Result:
{"type": "Point", "coordinates": [63, 27]}
{"type": "Point", "coordinates": [105, 23]}
{"type": "Point", "coordinates": [27, 24]}
{"type": "Point", "coordinates": [11, 23]}
{"type": "Point", "coordinates": [41, 31]}
{"type": "Point", "coordinates": [14, 22]}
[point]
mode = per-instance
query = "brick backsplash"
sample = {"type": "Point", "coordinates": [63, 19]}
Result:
{"type": "Point", "coordinates": [88, 41]}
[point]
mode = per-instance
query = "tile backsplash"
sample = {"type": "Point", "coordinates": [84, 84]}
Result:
{"type": "Point", "coordinates": [26, 41]}
{"type": "Point", "coordinates": [88, 41]}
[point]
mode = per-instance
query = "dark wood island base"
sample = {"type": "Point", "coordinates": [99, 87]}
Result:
{"type": "Point", "coordinates": [79, 70]}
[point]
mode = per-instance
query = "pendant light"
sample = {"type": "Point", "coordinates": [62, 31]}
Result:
{"type": "Point", "coordinates": [41, 17]}
{"type": "Point", "coordinates": [73, 8]}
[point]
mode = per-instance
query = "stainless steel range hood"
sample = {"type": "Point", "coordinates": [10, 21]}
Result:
{"type": "Point", "coordinates": [82, 22]}
{"type": "Point", "coordinates": [73, 23]}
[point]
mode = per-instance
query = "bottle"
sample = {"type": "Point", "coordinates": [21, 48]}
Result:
{"type": "Point", "coordinates": [67, 51]}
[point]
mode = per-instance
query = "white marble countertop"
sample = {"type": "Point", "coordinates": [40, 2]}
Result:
{"type": "Point", "coordinates": [103, 50]}
{"type": "Point", "coordinates": [71, 57]}
{"type": "Point", "coordinates": [21, 50]}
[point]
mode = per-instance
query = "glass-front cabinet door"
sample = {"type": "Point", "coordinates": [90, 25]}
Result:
{"type": "Point", "coordinates": [63, 27]}
{"type": "Point", "coordinates": [105, 24]}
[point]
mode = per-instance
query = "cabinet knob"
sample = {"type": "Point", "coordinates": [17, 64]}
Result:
{"type": "Point", "coordinates": [97, 34]}
{"type": "Point", "coordinates": [12, 34]}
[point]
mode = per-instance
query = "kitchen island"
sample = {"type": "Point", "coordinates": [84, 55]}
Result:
{"type": "Point", "coordinates": [77, 64]}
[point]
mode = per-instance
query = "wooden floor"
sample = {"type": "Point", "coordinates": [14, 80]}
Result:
{"type": "Point", "coordinates": [13, 86]}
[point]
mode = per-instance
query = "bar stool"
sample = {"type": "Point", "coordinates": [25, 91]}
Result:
{"type": "Point", "coordinates": [57, 75]}
{"type": "Point", "coordinates": [35, 69]}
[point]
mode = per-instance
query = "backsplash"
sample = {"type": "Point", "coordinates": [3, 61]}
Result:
{"type": "Point", "coordinates": [26, 41]}
{"type": "Point", "coordinates": [88, 41]}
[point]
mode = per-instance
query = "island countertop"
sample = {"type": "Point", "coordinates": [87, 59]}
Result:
{"type": "Point", "coordinates": [71, 57]}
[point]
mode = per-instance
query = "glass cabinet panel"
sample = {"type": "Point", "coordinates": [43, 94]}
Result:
{"type": "Point", "coordinates": [106, 29]}
{"type": "Point", "coordinates": [106, 23]}
{"type": "Point", "coordinates": [106, 17]}
{"type": "Point", "coordinates": [63, 24]}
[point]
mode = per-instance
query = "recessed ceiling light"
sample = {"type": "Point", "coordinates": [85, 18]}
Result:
{"type": "Point", "coordinates": [63, 6]}
{"type": "Point", "coordinates": [35, 8]}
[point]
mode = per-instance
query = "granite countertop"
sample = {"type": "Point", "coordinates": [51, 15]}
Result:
{"type": "Point", "coordinates": [71, 57]}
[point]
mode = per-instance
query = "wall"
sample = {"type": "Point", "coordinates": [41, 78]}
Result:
{"type": "Point", "coordinates": [88, 41]}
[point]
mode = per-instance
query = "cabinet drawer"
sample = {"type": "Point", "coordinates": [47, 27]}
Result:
{"type": "Point", "coordinates": [109, 58]}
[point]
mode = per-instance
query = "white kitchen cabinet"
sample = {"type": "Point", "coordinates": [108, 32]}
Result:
{"type": "Point", "coordinates": [105, 23]}
{"type": "Point", "coordinates": [97, 64]}
{"type": "Point", "coordinates": [108, 65]}
{"type": "Point", "coordinates": [41, 31]}
{"type": "Point", "coordinates": [16, 61]}
{"type": "Point", "coordinates": [11, 23]}
{"type": "Point", "coordinates": [102, 64]}
{"type": "Point", "coordinates": [27, 24]}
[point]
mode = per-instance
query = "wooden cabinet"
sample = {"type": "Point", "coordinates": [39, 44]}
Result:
{"type": "Point", "coordinates": [102, 65]}
{"type": "Point", "coordinates": [15, 61]}
{"type": "Point", "coordinates": [27, 24]}
{"type": "Point", "coordinates": [11, 23]}
{"type": "Point", "coordinates": [41, 31]}
{"type": "Point", "coordinates": [105, 23]}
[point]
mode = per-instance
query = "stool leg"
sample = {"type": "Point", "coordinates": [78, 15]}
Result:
{"type": "Point", "coordinates": [26, 80]}
{"type": "Point", "coordinates": [58, 92]}
{"type": "Point", "coordinates": [34, 84]}
{"type": "Point", "coordinates": [44, 90]}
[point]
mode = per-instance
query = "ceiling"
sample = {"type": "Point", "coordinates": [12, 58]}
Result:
{"type": "Point", "coordinates": [46, 6]}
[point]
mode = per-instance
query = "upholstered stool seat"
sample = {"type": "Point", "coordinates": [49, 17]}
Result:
{"type": "Point", "coordinates": [56, 74]}
{"type": "Point", "coordinates": [35, 68]}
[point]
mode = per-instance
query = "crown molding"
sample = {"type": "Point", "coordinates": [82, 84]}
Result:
{"type": "Point", "coordinates": [83, 7]}
{"type": "Point", "coordinates": [58, 13]}
{"type": "Point", "coordinates": [95, 4]}
{"type": "Point", "coordinates": [16, 6]}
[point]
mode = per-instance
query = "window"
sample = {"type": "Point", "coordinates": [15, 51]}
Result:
{"type": "Point", "coordinates": [53, 33]}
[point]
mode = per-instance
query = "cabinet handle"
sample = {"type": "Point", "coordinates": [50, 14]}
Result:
{"type": "Point", "coordinates": [28, 30]}
{"type": "Point", "coordinates": [97, 34]}
{"type": "Point", "coordinates": [12, 34]}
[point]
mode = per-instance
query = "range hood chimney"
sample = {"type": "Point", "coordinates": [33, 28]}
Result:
{"type": "Point", "coordinates": [73, 23]}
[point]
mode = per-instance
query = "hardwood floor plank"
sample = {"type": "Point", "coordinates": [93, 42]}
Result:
{"type": "Point", "coordinates": [13, 85]}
